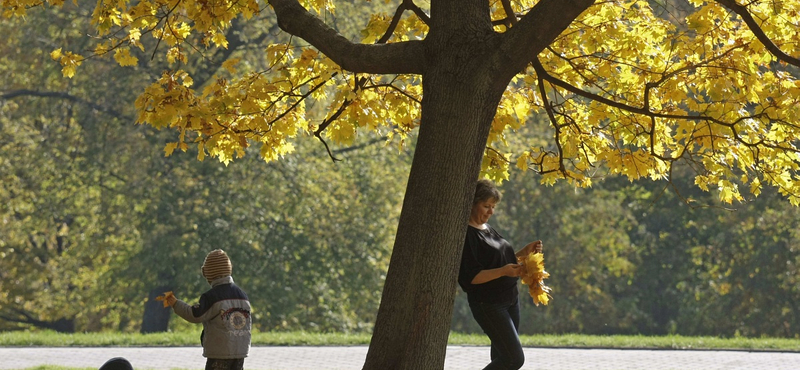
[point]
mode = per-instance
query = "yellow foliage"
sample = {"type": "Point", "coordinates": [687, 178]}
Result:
{"type": "Point", "coordinates": [658, 87]}
{"type": "Point", "coordinates": [69, 61]}
{"type": "Point", "coordinates": [495, 166]}
{"type": "Point", "coordinates": [220, 40]}
{"type": "Point", "coordinates": [230, 65]}
{"type": "Point", "coordinates": [534, 275]}
{"type": "Point", "coordinates": [124, 58]}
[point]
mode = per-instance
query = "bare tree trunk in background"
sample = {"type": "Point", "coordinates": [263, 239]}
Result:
{"type": "Point", "coordinates": [156, 317]}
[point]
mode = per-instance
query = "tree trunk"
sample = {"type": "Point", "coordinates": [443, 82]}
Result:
{"type": "Point", "coordinates": [413, 320]}
{"type": "Point", "coordinates": [467, 67]}
{"type": "Point", "coordinates": [62, 325]}
{"type": "Point", "coordinates": [156, 316]}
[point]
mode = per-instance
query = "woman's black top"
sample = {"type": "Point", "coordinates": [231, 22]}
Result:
{"type": "Point", "coordinates": [484, 250]}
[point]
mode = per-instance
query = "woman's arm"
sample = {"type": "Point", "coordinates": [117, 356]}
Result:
{"type": "Point", "coordinates": [511, 269]}
{"type": "Point", "coordinates": [533, 247]}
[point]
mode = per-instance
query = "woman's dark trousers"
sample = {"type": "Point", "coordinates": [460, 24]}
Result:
{"type": "Point", "coordinates": [500, 321]}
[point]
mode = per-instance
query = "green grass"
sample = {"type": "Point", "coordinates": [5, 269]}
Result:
{"type": "Point", "coordinates": [57, 367]}
{"type": "Point", "coordinates": [171, 339]}
{"type": "Point", "coordinates": [52, 339]}
{"type": "Point", "coordinates": [640, 342]}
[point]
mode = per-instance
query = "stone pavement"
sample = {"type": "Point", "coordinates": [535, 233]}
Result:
{"type": "Point", "coordinates": [352, 358]}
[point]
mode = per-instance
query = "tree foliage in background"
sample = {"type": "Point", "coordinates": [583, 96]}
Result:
{"type": "Point", "coordinates": [64, 216]}
{"type": "Point", "coordinates": [636, 258]}
{"type": "Point", "coordinates": [631, 258]}
{"type": "Point", "coordinates": [95, 220]}
{"type": "Point", "coordinates": [630, 88]}
{"type": "Point", "coordinates": [702, 82]}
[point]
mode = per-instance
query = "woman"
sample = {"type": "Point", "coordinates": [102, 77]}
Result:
{"type": "Point", "coordinates": [489, 273]}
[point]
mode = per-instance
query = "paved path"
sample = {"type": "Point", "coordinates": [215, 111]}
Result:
{"type": "Point", "coordinates": [352, 358]}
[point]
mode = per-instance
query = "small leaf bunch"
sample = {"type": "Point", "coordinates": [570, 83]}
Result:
{"type": "Point", "coordinates": [168, 298]}
{"type": "Point", "coordinates": [534, 275]}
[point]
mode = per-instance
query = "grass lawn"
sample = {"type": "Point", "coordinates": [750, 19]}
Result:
{"type": "Point", "coordinates": [192, 338]}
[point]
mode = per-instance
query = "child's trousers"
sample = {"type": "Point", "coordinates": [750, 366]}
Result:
{"type": "Point", "coordinates": [225, 364]}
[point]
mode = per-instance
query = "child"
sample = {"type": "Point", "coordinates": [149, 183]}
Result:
{"type": "Point", "coordinates": [224, 311]}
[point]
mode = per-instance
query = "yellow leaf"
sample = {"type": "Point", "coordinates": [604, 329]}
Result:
{"type": "Point", "coordinates": [187, 81]}
{"type": "Point", "coordinates": [68, 71]}
{"type": "Point", "coordinates": [755, 187]}
{"type": "Point", "coordinates": [220, 40]}
{"type": "Point", "coordinates": [165, 298]}
{"type": "Point", "coordinates": [169, 148]}
{"type": "Point", "coordinates": [522, 161]}
{"type": "Point", "coordinates": [56, 54]}
{"type": "Point", "coordinates": [230, 65]}
{"type": "Point", "coordinates": [201, 151]}
{"type": "Point", "coordinates": [124, 58]}
{"type": "Point", "coordinates": [69, 62]}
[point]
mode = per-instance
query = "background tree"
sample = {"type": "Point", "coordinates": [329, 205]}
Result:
{"type": "Point", "coordinates": [63, 212]}
{"type": "Point", "coordinates": [624, 89]}
{"type": "Point", "coordinates": [137, 223]}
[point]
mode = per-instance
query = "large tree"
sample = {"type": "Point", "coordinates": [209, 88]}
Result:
{"type": "Point", "coordinates": [628, 91]}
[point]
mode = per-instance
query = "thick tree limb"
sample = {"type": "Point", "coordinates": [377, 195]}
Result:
{"type": "Point", "coordinates": [535, 31]}
{"type": "Point", "coordinates": [62, 325]}
{"type": "Point", "coordinates": [59, 95]}
{"type": "Point", "coordinates": [395, 58]}
{"type": "Point", "coordinates": [758, 32]}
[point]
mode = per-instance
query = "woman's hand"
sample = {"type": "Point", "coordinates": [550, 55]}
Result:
{"type": "Point", "coordinates": [512, 269]}
{"type": "Point", "coordinates": [533, 247]}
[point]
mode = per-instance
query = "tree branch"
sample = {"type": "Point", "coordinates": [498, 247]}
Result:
{"type": "Point", "coordinates": [360, 82]}
{"type": "Point", "coordinates": [213, 62]}
{"type": "Point", "coordinates": [645, 111]}
{"type": "Point", "coordinates": [395, 58]}
{"type": "Point", "coordinates": [534, 32]}
{"type": "Point", "coordinates": [418, 11]}
{"type": "Point", "coordinates": [60, 95]}
{"type": "Point", "coordinates": [758, 32]}
{"type": "Point", "coordinates": [361, 146]}
{"type": "Point", "coordinates": [551, 115]}
{"type": "Point", "coordinates": [62, 325]}
{"type": "Point", "coordinates": [511, 17]}
{"type": "Point", "coordinates": [398, 14]}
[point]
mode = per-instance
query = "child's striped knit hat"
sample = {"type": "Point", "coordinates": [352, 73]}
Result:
{"type": "Point", "coordinates": [216, 265]}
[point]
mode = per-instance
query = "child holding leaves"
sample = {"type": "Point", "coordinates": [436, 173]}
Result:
{"type": "Point", "coordinates": [224, 311]}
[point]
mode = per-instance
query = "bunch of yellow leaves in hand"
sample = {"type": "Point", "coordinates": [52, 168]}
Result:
{"type": "Point", "coordinates": [534, 275]}
{"type": "Point", "coordinates": [167, 298]}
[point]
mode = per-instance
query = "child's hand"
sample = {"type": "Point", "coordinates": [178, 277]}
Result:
{"type": "Point", "coordinates": [168, 298]}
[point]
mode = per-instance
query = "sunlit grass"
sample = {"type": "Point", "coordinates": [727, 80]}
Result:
{"type": "Point", "coordinates": [638, 342]}
{"type": "Point", "coordinates": [192, 338]}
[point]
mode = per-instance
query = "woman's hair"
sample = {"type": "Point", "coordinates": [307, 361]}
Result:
{"type": "Point", "coordinates": [485, 190]}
